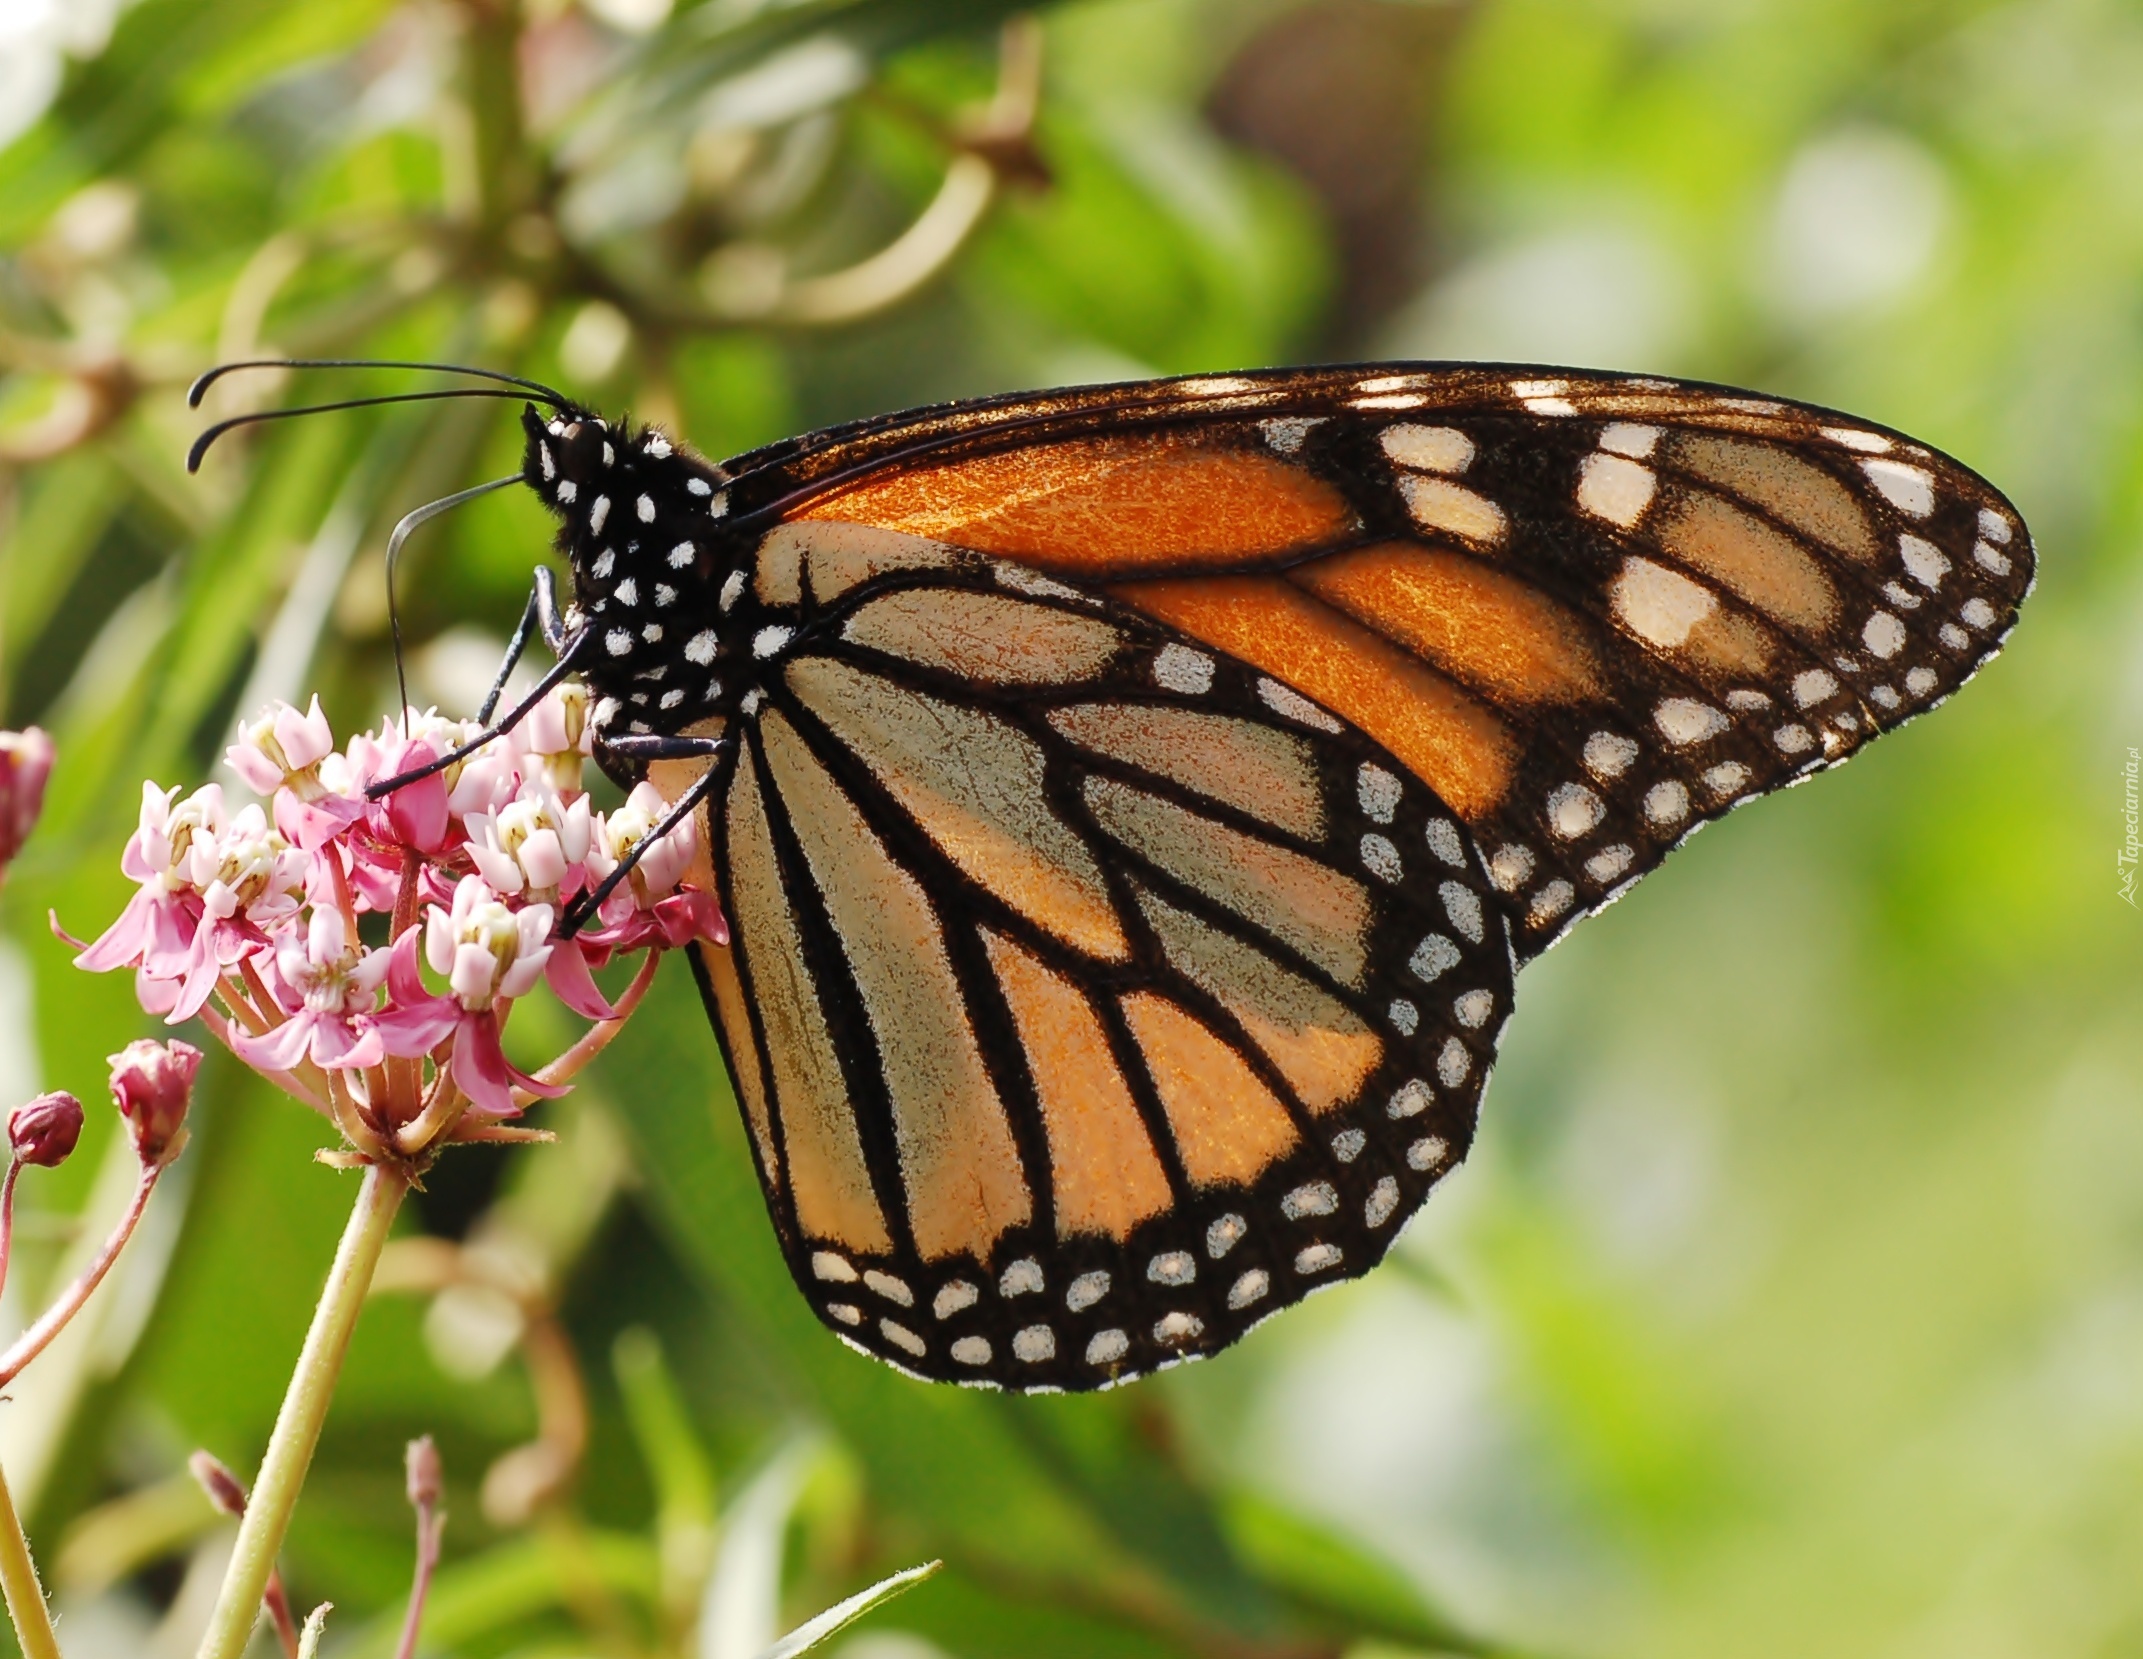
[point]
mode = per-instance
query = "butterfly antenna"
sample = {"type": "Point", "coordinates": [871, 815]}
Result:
{"type": "Point", "coordinates": [202, 443]}
{"type": "Point", "coordinates": [402, 531]}
{"type": "Point", "coordinates": [199, 389]}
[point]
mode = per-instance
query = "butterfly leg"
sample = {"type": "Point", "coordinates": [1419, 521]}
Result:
{"type": "Point", "coordinates": [541, 612]}
{"type": "Point", "coordinates": [644, 748]}
{"type": "Point", "coordinates": [568, 660]}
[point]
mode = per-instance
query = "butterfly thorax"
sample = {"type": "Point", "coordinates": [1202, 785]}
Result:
{"type": "Point", "coordinates": [657, 573]}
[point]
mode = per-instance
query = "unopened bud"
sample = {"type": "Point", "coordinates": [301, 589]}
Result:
{"type": "Point", "coordinates": [25, 764]}
{"type": "Point", "coordinates": [224, 1489]}
{"type": "Point", "coordinates": [153, 1083]}
{"type": "Point", "coordinates": [43, 1131]}
{"type": "Point", "coordinates": [427, 1477]}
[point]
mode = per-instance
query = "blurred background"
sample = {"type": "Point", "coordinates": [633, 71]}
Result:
{"type": "Point", "coordinates": [1792, 1300]}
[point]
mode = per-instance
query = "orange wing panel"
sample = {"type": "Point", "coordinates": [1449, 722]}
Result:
{"type": "Point", "coordinates": [1106, 507]}
{"type": "Point", "coordinates": [1450, 740]}
{"type": "Point", "coordinates": [1482, 626]}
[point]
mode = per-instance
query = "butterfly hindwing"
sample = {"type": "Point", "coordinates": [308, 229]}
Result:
{"type": "Point", "coordinates": [1590, 612]}
{"type": "Point", "coordinates": [1093, 994]}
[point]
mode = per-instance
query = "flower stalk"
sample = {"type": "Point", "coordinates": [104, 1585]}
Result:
{"type": "Point", "coordinates": [304, 1411]}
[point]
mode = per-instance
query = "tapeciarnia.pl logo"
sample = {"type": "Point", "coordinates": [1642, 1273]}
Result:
{"type": "Point", "coordinates": [2124, 861]}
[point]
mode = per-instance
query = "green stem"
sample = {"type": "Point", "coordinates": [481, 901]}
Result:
{"type": "Point", "coordinates": [18, 1576]}
{"type": "Point", "coordinates": [297, 1425]}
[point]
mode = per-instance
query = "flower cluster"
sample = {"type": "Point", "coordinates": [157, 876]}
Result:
{"type": "Point", "coordinates": [256, 917]}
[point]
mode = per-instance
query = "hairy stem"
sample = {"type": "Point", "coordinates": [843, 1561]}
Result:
{"type": "Point", "coordinates": [33, 1341]}
{"type": "Point", "coordinates": [18, 1577]}
{"type": "Point", "coordinates": [298, 1423]}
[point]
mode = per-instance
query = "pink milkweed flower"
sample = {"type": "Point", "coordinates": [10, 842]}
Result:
{"type": "Point", "coordinates": [649, 907]}
{"type": "Point", "coordinates": [486, 952]}
{"type": "Point", "coordinates": [556, 738]}
{"type": "Point", "coordinates": [44, 1131]}
{"type": "Point", "coordinates": [329, 989]}
{"type": "Point", "coordinates": [156, 931]}
{"type": "Point", "coordinates": [419, 815]}
{"type": "Point", "coordinates": [532, 846]}
{"type": "Point", "coordinates": [25, 764]}
{"type": "Point", "coordinates": [153, 1084]}
{"type": "Point", "coordinates": [279, 748]}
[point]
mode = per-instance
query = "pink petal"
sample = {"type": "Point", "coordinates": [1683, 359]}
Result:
{"type": "Point", "coordinates": [338, 1043]}
{"type": "Point", "coordinates": [570, 981]}
{"type": "Point", "coordinates": [276, 1050]}
{"type": "Point", "coordinates": [415, 1031]}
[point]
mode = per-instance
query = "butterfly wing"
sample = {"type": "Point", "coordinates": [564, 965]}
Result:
{"type": "Point", "coordinates": [1590, 612]}
{"type": "Point", "coordinates": [1093, 995]}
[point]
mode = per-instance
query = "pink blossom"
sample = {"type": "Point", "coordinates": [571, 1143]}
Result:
{"type": "Point", "coordinates": [530, 847]}
{"type": "Point", "coordinates": [482, 944]}
{"type": "Point", "coordinates": [25, 764]}
{"type": "Point", "coordinates": [556, 738]}
{"type": "Point", "coordinates": [329, 989]}
{"type": "Point", "coordinates": [282, 749]}
{"type": "Point", "coordinates": [156, 930]}
{"type": "Point", "coordinates": [153, 1084]}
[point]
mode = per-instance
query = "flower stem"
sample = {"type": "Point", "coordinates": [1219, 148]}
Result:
{"type": "Point", "coordinates": [33, 1341]}
{"type": "Point", "coordinates": [18, 1576]}
{"type": "Point", "coordinates": [297, 1425]}
{"type": "Point", "coordinates": [7, 1215]}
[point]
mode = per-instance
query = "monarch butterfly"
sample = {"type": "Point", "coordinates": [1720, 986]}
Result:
{"type": "Point", "coordinates": [1132, 804]}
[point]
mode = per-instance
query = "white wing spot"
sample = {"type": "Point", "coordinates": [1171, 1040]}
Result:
{"type": "Point", "coordinates": [902, 1338]}
{"type": "Point", "coordinates": [1574, 810]}
{"type": "Point", "coordinates": [833, 1269]}
{"type": "Point", "coordinates": [1411, 1100]}
{"type": "Point", "coordinates": [1609, 862]}
{"type": "Point", "coordinates": [1453, 1063]}
{"type": "Point", "coordinates": [1179, 668]}
{"type": "Point", "coordinates": [1883, 697]}
{"type": "Point", "coordinates": [1727, 778]}
{"type": "Point", "coordinates": [1992, 557]}
{"type": "Point", "coordinates": [1474, 1008]}
{"type": "Point", "coordinates": [1316, 1258]}
{"type": "Point", "coordinates": [1993, 526]}
{"type": "Point", "coordinates": [1251, 1287]}
{"type": "Point", "coordinates": [1178, 1327]}
{"type": "Point", "coordinates": [1463, 906]}
{"type": "Point", "coordinates": [1107, 1347]}
{"type": "Point", "coordinates": [1811, 686]}
{"type": "Point", "coordinates": [1924, 561]}
{"type": "Point", "coordinates": [1920, 681]}
{"type": "Point", "coordinates": [1022, 1278]}
{"type": "Point", "coordinates": [1658, 605]}
{"type": "Point", "coordinates": [1684, 720]}
{"type": "Point", "coordinates": [1378, 791]}
{"type": "Point", "coordinates": [1909, 489]}
{"type": "Point", "coordinates": [1428, 448]}
{"type": "Point", "coordinates": [1867, 443]}
{"type": "Point", "coordinates": [1287, 432]}
{"type": "Point", "coordinates": [1550, 902]}
{"type": "Point", "coordinates": [1433, 957]}
{"type": "Point", "coordinates": [1748, 702]}
{"type": "Point", "coordinates": [1390, 400]}
{"type": "Point", "coordinates": [1034, 1344]}
{"type": "Point", "coordinates": [1383, 1201]}
{"type": "Point", "coordinates": [1793, 740]}
{"type": "Point", "coordinates": [1508, 867]}
{"type": "Point", "coordinates": [1666, 803]}
{"type": "Point", "coordinates": [847, 1312]}
{"type": "Point", "coordinates": [1538, 388]}
{"type": "Point", "coordinates": [1381, 858]}
{"type": "Point", "coordinates": [1313, 1198]}
{"type": "Point", "coordinates": [892, 1289]}
{"type": "Point", "coordinates": [1628, 438]}
{"type": "Point", "coordinates": [1976, 613]}
{"type": "Point", "coordinates": [1224, 1235]}
{"type": "Point", "coordinates": [1173, 1267]}
{"type": "Point", "coordinates": [1428, 1152]}
{"type": "Point", "coordinates": [1347, 1145]}
{"type": "Point", "coordinates": [1953, 636]}
{"type": "Point", "coordinates": [1608, 755]}
{"type": "Point", "coordinates": [1439, 504]}
{"type": "Point", "coordinates": [1884, 635]}
{"type": "Point", "coordinates": [1617, 490]}
{"type": "Point", "coordinates": [1284, 700]}
{"type": "Point", "coordinates": [1404, 1016]}
{"type": "Point", "coordinates": [952, 1298]}
{"type": "Point", "coordinates": [1444, 842]}
{"type": "Point", "coordinates": [972, 1350]}
{"type": "Point", "coordinates": [1086, 1290]}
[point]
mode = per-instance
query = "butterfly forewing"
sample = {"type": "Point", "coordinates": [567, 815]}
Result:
{"type": "Point", "coordinates": [1590, 612]}
{"type": "Point", "coordinates": [1095, 995]}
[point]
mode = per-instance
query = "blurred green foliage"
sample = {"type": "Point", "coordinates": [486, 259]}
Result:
{"type": "Point", "coordinates": [1793, 1299]}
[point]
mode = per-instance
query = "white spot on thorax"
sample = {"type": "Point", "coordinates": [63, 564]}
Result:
{"type": "Point", "coordinates": [610, 456]}
{"type": "Point", "coordinates": [628, 592]}
{"type": "Point", "coordinates": [682, 554]}
{"type": "Point", "coordinates": [550, 467]}
{"type": "Point", "coordinates": [700, 647]}
{"type": "Point", "coordinates": [598, 515]}
{"type": "Point", "coordinates": [770, 639]}
{"type": "Point", "coordinates": [605, 562]}
{"type": "Point", "coordinates": [568, 491]}
{"type": "Point", "coordinates": [719, 506]}
{"type": "Point", "coordinates": [645, 507]}
{"type": "Point", "coordinates": [699, 486]}
{"type": "Point", "coordinates": [657, 445]}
